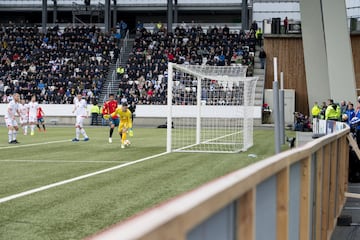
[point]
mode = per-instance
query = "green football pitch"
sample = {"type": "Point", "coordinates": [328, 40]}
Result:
{"type": "Point", "coordinates": [53, 188]}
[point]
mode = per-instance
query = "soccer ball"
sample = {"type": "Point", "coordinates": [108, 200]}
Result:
{"type": "Point", "coordinates": [127, 142]}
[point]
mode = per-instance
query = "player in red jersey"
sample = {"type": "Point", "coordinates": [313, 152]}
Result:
{"type": "Point", "coordinates": [109, 108]}
{"type": "Point", "coordinates": [40, 118]}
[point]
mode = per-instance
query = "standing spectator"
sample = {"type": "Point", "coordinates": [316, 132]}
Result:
{"type": "Point", "coordinates": [357, 114]}
{"type": "Point", "coordinates": [343, 107]}
{"type": "Point", "coordinates": [120, 71]}
{"type": "Point", "coordinates": [139, 26]}
{"type": "Point", "coordinates": [323, 110]}
{"type": "Point", "coordinates": [350, 112]}
{"type": "Point", "coordinates": [315, 111]}
{"type": "Point", "coordinates": [262, 56]}
{"type": "Point", "coordinates": [226, 30]}
{"type": "Point", "coordinates": [286, 24]}
{"type": "Point", "coordinates": [116, 53]}
{"type": "Point", "coordinates": [159, 26]}
{"type": "Point", "coordinates": [123, 28]}
{"type": "Point", "coordinates": [258, 36]}
{"type": "Point", "coordinates": [95, 111]}
{"type": "Point", "coordinates": [332, 111]}
{"type": "Point", "coordinates": [254, 26]}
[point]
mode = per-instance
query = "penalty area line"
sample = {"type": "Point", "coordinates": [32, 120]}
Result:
{"type": "Point", "coordinates": [22, 194]}
{"type": "Point", "coordinates": [34, 144]}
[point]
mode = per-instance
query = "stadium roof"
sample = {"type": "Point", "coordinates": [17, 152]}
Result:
{"type": "Point", "coordinates": [11, 5]}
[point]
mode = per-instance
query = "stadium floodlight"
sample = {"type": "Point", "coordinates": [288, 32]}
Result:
{"type": "Point", "coordinates": [210, 107]}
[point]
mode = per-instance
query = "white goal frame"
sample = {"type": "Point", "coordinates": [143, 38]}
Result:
{"type": "Point", "coordinates": [237, 118]}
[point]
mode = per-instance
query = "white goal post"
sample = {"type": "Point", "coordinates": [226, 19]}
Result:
{"type": "Point", "coordinates": [210, 108]}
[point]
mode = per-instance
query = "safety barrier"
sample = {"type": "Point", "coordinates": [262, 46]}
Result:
{"type": "Point", "coordinates": [297, 194]}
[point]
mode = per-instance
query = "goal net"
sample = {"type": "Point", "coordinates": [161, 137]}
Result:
{"type": "Point", "coordinates": [210, 108]}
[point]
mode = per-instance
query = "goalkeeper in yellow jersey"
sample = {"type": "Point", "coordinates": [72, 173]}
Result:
{"type": "Point", "coordinates": [125, 122]}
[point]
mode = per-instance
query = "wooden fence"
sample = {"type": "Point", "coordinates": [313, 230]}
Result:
{"type": "Point", "coordinates": [297, 194]}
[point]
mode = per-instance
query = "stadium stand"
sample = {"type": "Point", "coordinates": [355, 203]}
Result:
{"type": "Point", "coordinates": [146, 70]}
{"type": "Point", "coordinates": [55, 66]}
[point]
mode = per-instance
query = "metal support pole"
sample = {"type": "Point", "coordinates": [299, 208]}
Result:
{"type": "Point", "coordinates": [282, 109]}
{"type": "Point", "coordinates": [276, 109]}
{"type": "Point", "coordinates": [107, 16]}
{"type": "Point", "coordinates": [44, 16]}
{"type": "Point", "coordinates": [114, 15]}
{"type": "Point", "coordinates": [169, 15]}
{"type": "Point", "coordinates": [55, 12]}
{"type": "Point", "coordinates": [245, 15]}
{"type": "Point", "coordinates": [176, 12]}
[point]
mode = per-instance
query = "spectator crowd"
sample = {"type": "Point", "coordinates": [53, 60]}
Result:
{"type": "Point", "coordinates": [55, 65]}
{"type": "Point", "coordinates": [144, 78]}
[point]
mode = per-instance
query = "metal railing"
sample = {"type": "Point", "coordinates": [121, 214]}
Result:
{"type": "Point", "coordinates": [297, 194]}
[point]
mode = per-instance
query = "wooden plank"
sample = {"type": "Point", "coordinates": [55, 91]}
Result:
{"type": "Point", "coordinates": [290, 54]}
{"type": "Point", "coordinates": [245, 216]}
{"type": "Point", "coordinates": [354, 145]}
{"type": "Point", "coordinates": [304, 227]}
{"type": "Point", "coordinates": [318, 194]}
{"type": "Point", "coordinates": [352, 195]}
{"type": "Point", "coordinates": [332, 193]}
{"type": "Point", "coordinates": [343, 149]}
{"type": "Point", "coordinates": [346, 171]}
{"type": "Point", "coordinates": [355, 45]}
{"type": "Point", "coordinates": [325, 193]}
{"type": "Point", "coordinates": [282, 205]}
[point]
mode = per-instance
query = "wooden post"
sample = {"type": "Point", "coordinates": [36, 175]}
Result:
{"type": "Point", "coordinates": [332, 193]}
{"type": "Point", "coordinates": [325, 193]}
{"type": "Point", "coordinates": [305, 199]}
{"type": "Point", "coordinates": [318, 194]}
{"type": "Point", "coordinates": [245, 216]}
{"type": "Point", "coordinates": [282, 205]}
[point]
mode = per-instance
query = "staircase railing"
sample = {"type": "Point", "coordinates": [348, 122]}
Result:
{"type": "Point", "coordinates": [112, 81]}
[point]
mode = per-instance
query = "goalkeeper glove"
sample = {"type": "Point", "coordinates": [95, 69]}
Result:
{"type": "Point", "coordinates": [106, 116]}
{"type": "Point", "coordinates": [131, 132]}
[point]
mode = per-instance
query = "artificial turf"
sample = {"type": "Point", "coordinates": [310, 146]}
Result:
{"type": "Point", "coordinates": [80, 208]}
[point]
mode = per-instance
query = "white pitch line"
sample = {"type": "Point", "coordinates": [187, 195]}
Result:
{"type": "Point", "coordinates": [60, 161]}
{"type": "Point", "coordinates": [34, 144]}
{"type": "Point", "coordinates": [22, 194]}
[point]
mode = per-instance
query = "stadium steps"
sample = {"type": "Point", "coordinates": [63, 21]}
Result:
{"type": "Point", "coordinates": [258, 72]}
{"type": "Point", "coordinates": [104, 91]}
{"type": "Point", "coordinates": [114, 86]}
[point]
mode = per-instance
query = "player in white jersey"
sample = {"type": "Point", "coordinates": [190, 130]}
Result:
{"type": "Point", "coordinates": [33, 107]}
{"type": "Point", "coordinates": [81, 112]}
{"type": "Point", "coordinates": [24, 115]}
{"type": "Point", "coordinates": [10, 120]}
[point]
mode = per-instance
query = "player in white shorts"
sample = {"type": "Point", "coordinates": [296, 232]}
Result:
{"type": "Point", "coordinates": [33, 108]}
{"type": "Point", "coordinates": [10, 120]}
{"type": "Point", "coordinates": [81, 112]}
{"type": "Point", "coordinates": [24, 115]}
